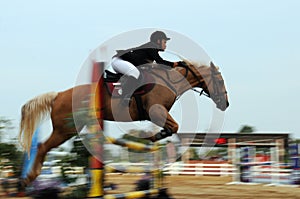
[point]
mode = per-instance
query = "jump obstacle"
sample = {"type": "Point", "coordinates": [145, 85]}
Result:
{"type": "Point", "coordinates": [97, 167]}
{"type": "Point", "coordinates": [270, 173]}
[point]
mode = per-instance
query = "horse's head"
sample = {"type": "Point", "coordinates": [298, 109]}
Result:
{"type": "Point", "coordinates": [214, 87]}
{"type": "Point", "coordinates": [212, 83]}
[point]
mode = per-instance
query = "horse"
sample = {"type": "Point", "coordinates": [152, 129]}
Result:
{"type": "Point", "coordinates": [169, 85]}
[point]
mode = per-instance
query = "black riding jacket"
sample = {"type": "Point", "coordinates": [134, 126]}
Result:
{"type": "Point", "coordinates": [146, 53]}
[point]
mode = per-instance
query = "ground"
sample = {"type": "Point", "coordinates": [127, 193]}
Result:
{"type": "Point", "coordinates": [213, 187]}
{"type": "Point", "coordinates": [208, 187]}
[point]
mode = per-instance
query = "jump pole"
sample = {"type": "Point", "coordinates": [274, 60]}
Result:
{"type": "Point", "coordinates": [96, 104]}
{"type": "Point", "coordinates": [274, 163]}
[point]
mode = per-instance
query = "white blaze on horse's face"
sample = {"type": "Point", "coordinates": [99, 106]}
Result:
{"type": "Point", "coordinates": [216, 88]}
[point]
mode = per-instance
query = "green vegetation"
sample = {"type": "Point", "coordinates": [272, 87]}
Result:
{"type": "Point", "coordinates": [10, 155]}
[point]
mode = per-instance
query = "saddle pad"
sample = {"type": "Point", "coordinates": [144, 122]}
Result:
{"type": "Point", "coordinates": [115, 88]}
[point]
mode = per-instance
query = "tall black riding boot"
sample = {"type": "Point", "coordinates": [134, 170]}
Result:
{"type": "Point", "coordinates": [129, 86]}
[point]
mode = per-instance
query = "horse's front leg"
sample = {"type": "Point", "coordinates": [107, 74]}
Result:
{"type": "Point", "coordinates": [160, 116]}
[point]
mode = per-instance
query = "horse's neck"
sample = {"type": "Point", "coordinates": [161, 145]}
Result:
{"type": "Point", "coordinates": [193, 77]}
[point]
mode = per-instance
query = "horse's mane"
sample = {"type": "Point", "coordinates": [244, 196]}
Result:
{"type": "Point", "coordinates": [196, 64]}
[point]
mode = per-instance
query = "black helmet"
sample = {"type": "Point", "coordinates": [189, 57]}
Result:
{"type": "Point", "coordinates": [158, 35]}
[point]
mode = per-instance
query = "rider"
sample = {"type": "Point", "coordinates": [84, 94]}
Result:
{"type": "Point", "coordinates": [126, 61]}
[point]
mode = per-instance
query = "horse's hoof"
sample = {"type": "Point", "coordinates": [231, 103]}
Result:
{"type": "Point", "coordinates": [152, 139]}
{"type": "Point", "coordinates": [161, 135]}
{"type": "Point", "coordinates": [21, 186]}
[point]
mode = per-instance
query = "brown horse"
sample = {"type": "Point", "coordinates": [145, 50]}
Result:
{"type": "Point", "coordinates": [169, 84]}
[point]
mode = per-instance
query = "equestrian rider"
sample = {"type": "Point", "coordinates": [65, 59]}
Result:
{"type": "Point", "coordinates": [126, 61]}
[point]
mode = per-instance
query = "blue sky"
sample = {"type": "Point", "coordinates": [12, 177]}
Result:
{"type": "Point", "coordinates": [256, 44]}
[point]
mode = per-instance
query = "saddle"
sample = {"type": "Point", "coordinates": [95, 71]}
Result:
{"type": "Point", "coordinates": [113, 83]}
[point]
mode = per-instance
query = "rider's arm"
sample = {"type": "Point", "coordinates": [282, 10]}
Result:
{"type": "Point", "coordinates": [160, 60]}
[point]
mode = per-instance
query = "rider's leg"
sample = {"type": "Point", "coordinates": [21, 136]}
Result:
{"type": "Point", "coordinates": [131, 80]}
{"type": "Point", "coordinates": [129, 86]}
{"type": "Point", "coordinates": [125, 67]}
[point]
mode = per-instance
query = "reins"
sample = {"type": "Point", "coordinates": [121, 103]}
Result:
{"type": "Point", "coordinates": [167, 81]}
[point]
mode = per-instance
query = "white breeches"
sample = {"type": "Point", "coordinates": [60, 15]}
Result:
{"type": "Point", "coordinates": [125, 67]}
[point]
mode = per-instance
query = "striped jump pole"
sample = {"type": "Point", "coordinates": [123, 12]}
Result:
{"type": "Point", "coordinates": [128, 169]}
{"type": "Point", "coordinates": [158, 172]}
{"type": "Point", "coordinates": [132, 145]}
{"type": "Point", "coordinates": [96, 104]}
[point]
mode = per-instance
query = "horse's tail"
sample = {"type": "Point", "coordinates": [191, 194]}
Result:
{"type": "Point", "coordinates": [33, 112]}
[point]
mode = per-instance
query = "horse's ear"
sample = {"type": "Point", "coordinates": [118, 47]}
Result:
{"type": "Point", "coordinates": [212, 65]}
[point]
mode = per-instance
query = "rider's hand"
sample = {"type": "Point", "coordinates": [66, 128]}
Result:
{"type": "Point", "coordinates": [182, 64]}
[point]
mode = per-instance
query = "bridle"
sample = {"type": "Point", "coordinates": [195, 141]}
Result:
{"type": "Point", "coordinates": [216, 95]}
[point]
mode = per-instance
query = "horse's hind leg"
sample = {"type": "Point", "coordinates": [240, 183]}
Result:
{"type": "Point", "coordinates": [53, 141]}
{"type": "Point", "coordinates": [161, 117]}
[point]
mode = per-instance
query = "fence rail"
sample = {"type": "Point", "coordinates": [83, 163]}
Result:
{"type": "Point", "coordinates": [197, 169]}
